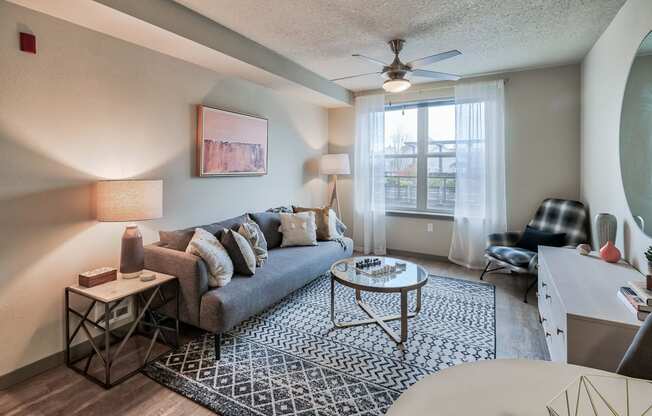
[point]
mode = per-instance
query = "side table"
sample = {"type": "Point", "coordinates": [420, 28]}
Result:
{"type": "Point", "coordinates": [111, 295]}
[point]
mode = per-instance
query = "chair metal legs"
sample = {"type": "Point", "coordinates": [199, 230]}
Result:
{"type": "Point", "coordinates": [534, 282]}
{"type": "Point", "coordinates": [488, 269]}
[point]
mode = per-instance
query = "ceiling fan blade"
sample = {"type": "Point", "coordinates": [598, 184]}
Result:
{"type": "Point", "coordinates": [434, 58]}
{"type": "Point", "coordinates": [442, 76]}
{"type": "Point", "coordinates": [355, 76]}
{"type": "Point", "coordinates": [372, 60]}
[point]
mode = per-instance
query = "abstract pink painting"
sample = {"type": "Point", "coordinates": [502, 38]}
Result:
{"type": "Point", "coordinates": [230, 143]}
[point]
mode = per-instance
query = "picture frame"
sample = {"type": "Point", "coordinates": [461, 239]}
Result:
{"type": "Point", "coordinates": [231, 143]}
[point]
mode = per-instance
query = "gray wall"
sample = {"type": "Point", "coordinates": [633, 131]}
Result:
{"type": "Point", "coordinates": [543, 153]}
{"type": "Point", "coordinates": [604, 77]}
{"type": "Point", "coordinates": [88, 107]}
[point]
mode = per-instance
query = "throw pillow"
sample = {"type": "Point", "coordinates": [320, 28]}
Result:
{"type": "Point", "coordinates": [206, 246]}
{"type": "Point", "coordinates": [240, 251]}
{"type": "Point", "coordinates": [532, 238]}
{"type": "Point", "coordinates": [269, 222]}
{"type": "Point", "coordinates": [341, 227]}
{"type": "Point", "coordinates": [326, 228]}
{"type": "Point", "coordinates": [298, 229]}
{"type": "Point", "coordinates": [176, 240]}
{"type": "Point", "coordinates": [250, 230]}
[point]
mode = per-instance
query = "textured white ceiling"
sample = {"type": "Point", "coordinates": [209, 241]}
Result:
{"type": "Point", "coordinates": [494, 35]}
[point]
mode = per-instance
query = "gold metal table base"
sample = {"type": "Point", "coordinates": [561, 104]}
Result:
{"type": "Point", "coordinates": [380, 320]}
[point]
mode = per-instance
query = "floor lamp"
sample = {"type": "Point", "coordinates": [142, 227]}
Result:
{"type": "Point", "coordinates": [335, 164]}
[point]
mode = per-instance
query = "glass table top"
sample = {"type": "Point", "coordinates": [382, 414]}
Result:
{"type": "Point", "coordinates": [413, 275]}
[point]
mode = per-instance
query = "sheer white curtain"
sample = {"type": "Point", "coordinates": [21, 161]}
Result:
{"type": "Point", "coordinates": [369, 175]}
{"type": "Point", "coordinates": [480, 196]}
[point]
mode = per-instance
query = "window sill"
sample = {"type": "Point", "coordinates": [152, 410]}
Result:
{"type": "Point", "coordinates": [420, 214]}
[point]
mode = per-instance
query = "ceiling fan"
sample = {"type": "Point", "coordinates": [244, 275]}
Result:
{"type": "Point", "coordinates": [397, 70]}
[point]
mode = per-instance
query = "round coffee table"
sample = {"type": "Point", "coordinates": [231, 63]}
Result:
{"type": "Point", "coordinates": [414, 277]}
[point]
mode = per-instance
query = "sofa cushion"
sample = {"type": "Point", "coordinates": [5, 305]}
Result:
{"type": "Point", "coordinates": [298, 229]}
{"type": "Point", "coordinates": [179, 239]}
{"type": "Point", "coordinates": [286, 270]}
{"type": "Point", "coordinates": [251, 231]}
{"type": "Point", "coordinates": [240, 251]}
{"type": "Point", "coordinates": [326, 221]}
{"type": "Point", "coordinates": [269, 222]}
{"type": "Point", "coordinates": [216, 257]}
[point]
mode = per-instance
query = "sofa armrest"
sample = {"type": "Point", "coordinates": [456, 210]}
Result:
{"type": "Point", "coordinates": [507, 239]}
{"type": "Point", "coordinates": [191, 272]}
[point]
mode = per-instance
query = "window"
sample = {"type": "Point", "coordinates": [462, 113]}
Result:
{"type": "Point", "coordinates": [420, 157]}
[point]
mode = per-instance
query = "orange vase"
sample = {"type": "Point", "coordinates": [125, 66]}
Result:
{"type": "Point", "coordinates": [610, 253]}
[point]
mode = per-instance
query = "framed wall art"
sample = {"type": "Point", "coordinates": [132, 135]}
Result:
{"type": "Point", "coordinates": [230, 144]}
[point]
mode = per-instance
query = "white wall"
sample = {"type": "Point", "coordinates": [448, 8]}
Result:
{"type": "Point", "coordinates": [543, 130]}
{"type": "Point", "coordinates": [88, 107]}
{"type": "Point", "coordinates": [604, 77]}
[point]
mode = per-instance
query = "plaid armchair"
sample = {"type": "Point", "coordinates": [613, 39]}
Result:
{"type": "Point", "coordinates": [554, 216]}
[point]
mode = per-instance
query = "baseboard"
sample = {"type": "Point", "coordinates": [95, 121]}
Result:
{"type": "Point", "coordinates": [48, 363]}
{"type": "Point", "coordinates": [425, 256]}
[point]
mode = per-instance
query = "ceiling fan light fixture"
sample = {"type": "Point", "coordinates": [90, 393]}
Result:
{"type": "Point", "coordinates": [396, 85]}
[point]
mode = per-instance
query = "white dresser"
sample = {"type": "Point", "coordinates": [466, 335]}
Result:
{"type": "Point", "coordinates": [583, 320]}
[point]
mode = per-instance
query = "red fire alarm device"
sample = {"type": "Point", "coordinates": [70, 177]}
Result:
{"type": "Point", "coordinates": [27, 42]}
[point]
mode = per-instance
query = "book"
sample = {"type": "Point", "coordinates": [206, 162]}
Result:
{"type": "Point", "coordinates": [640, 287]}
{"type": "Point", "coordinates": [633, 302]}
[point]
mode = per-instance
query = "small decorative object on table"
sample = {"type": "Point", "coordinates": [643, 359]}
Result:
{"type": "Point", "coordinates": [606, 226]}
{"type": "Point", "coordinates": [376, 267]}
{"type": "Point", "coordinates": [584, 249]}
{"type": "Point", "coordinates": [147, 276]}
{"type": "Point", "coordinates": [98, 276]}
{"type": "Point", "coordinates": [610, 253]}
{"type": "Point", "coordinates": [603, 395]}
{"type": "Point", "coordinates": [648, 256]}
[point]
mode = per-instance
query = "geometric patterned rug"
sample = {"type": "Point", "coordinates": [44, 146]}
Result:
{"type": "Point", "coordinates": [289, 360]}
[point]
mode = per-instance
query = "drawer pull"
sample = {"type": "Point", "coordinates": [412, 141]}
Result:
{"type": "Point", "coordinates": [543, 284]}
{"type": "Point", "coordinates": [542, 319]}
{"type": "Point", "coordinates": [548, 296]}
{"type": "Point", "coordinates": [548, 335]}
{"type": "Point", "coordinates": [560, 331]}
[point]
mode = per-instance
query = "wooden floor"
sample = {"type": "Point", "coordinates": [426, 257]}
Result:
{"type": "Point", "coordinates": [61, 391]}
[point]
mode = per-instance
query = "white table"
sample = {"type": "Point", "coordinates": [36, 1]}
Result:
{"type": "Point", "coordinates": [111, 295]}
{"type": "Point", "coordinates": [490, 388]}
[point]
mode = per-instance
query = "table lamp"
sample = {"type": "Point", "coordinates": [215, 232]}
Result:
{"type": "Point", "coordinates": [126, 201]}
{"type": "Point", "coordinates": [335, 164]}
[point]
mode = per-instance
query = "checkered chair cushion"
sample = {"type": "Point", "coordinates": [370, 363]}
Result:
{"type": "Point", "coordinates": [516, 256]}
{"type": "Point", "coordinates": [563, 216]}
{"type": "Point", "coordinates": [554, 216]}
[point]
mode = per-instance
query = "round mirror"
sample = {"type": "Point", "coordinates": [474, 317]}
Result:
{"type": "Point", "coordinates": [636, 137]}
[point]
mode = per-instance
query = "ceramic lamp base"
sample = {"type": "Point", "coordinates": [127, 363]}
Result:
{"type": "Point", "coordinates": [132, 257]}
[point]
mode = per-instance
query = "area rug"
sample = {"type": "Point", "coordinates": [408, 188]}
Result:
{"type": "Point", "coordinates": [289, 360]}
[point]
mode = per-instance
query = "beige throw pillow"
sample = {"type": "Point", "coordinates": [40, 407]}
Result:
{"type": "Point", "coordinates": [326, 221]}
{"type": "Point", "coordinates": [298, 229]}
{"type": "Point", "coordinates": [206, 246]}
{"type": "Point", "coordinates": [256, 238]}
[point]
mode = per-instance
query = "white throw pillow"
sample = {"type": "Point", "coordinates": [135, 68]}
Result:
{"type": "Point", "coordinates": [298, 229]}
{"type": "Point", "coordinates": [207, 246]}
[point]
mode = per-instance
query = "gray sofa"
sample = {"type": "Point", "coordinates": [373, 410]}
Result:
{"type": "Point", "coordinates": [217, 310]}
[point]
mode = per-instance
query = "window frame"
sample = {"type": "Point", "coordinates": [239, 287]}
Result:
{"type": "Point", "coordinates": [422, 155]}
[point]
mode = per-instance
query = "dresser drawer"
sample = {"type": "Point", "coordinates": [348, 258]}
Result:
{"type": "Point", "coordinates": [552, 316]}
